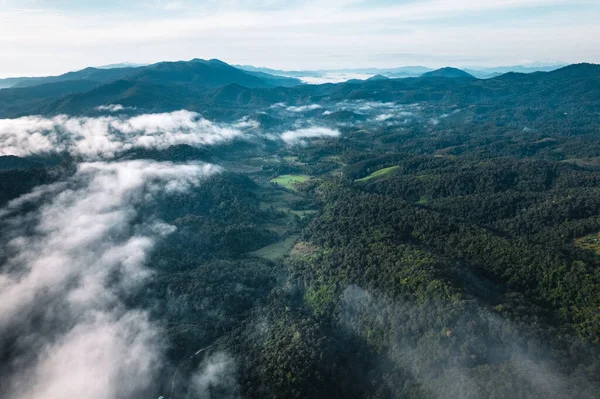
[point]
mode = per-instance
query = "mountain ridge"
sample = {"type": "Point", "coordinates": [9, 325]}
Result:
{"type": "Point", "coordinates": [447, 72]}
{"type": "Point", "coordinates": [168, 86]}
{"type": "Point", "coordinates": [217, 73]}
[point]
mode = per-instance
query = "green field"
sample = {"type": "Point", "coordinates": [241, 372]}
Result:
{"type": "Point", "coordinates": [290, 181]}
{"type": "Point", "coordinates": [379, 173]}
{"type": "Point", "coordinates": [277, 250]}
{"type": "Point", "coordinates": [591, 242]}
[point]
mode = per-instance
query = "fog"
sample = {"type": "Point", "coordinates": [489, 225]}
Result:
{"type": "Point", "coordinates": [215, 378]}
{"type": "Point", "coordinates": [441, 347]}
{"type": "Point", "coordinates": [68, 263]}
{"type": "Point", "coordinates": [298, 136]}
{"type": "Point", "coordinates": [108, 136]}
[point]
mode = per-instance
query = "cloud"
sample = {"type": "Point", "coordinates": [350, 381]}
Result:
{"type": "Point", "coordinates": [216, 375]}
{"type": "Point", "coordinates": [383, 117]}
{"type": "Point", "coordinates": [366, 107]}
{"type": "Point", "coordinates": [104, 357]}
{"type": "Point", "coordinates": [333, 34]}
{"type": "Point", "coordinates": [378, 111]}
{"type": "Point", "coordinates": [107, 136]}
{"type": "Point", "coordinates": [303, 108]}
{"type": "Point", "coordinates": [296, 136]}
{"type": "Point", "coordinates": [113, 108]}
{"type": "Point", "coordinates": [333, 77]}
{"type": "Point", "coordinates": [66, 266]}
{"type": "Point", "coordinates": [246, 123]}
{"type": "Point", "coordinates": [460, 350]}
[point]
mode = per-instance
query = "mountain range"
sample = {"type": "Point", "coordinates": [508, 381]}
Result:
{"type": "Point", "coordinates": [402, 72]}
{"type": "Point", "coordinates": [211, 73]}
{"type": "Point", "coordinates": [194, 230]}
{"type": "Point", "coordinates": [111, 72]}
{"type": "Point", "coordinates": [214, 86]}
{"type": "Point", "coordinates": [447, 72]}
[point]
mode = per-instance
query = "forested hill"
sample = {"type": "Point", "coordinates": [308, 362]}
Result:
{"type": "Point", "coordinates": [139, 86]}
{"type": "Point", "coordinates": [411, 238]}
{"type": "Point", "coordinates": [447, 72]}
{"type": "Point", "coordinates": [207, 86]}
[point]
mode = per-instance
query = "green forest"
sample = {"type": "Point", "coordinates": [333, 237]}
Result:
{"type": "Point", "coordinates": [452, 255]}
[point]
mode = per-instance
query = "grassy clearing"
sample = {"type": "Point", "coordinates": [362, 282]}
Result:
{"type": "Point", "coordinates": [591, 242]}
{"type": "Point", "coordinates": [290, 181]}
{"type": "Point", "coordinates": [293, 212]}
{"type": "Point", "coordinates": [584, 161]}
{"type": "Point", "coordinates": [293, 161]}
{"type": "Point", "coordinates": [277, 250]}
{"type": "Point", "coordinates": [379, 173]}
{"type": "Point", "coordinates": [303, 248]}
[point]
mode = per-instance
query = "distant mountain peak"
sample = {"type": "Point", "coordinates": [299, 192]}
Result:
{"type": "Point", "coordinates": [378, 77]}
{"type": "Point", "coordinates": [121, 65]}
{"type": "Point", "coordinates": [447, 72]}
{"type": "Point", "coordinates": [578, 69]}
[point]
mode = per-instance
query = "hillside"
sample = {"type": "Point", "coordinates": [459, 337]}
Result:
{"type": "Point", "coordinates": [377, 77]}
{"type": "Point", "coordinates": [165, 86]}
{"type": "Point", "coordinates": [173, 86]}
{"type": "Point", "coordinates": [414, 238]}
{"type": "Point", "coordinates": [211, 73]}
{"type": "Point", "coordinates": [447, 72]}
{"type": "Point", "coordinates": [204, 74]}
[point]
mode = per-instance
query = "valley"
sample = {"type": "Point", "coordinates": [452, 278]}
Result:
{"type": "Point", "coordinates": [423, 237]}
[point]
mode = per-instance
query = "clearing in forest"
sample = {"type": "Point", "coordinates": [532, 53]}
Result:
{"type": "Point", "coordinates": [379, 173]}
{"type": "Point", "coordinates": [278, 249]}
{"type": "Point", "coordinates": [590, 242]}
{"type": "Point", "coordinates": [290, 181]}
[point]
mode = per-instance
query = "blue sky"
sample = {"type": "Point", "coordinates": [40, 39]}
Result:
{"type": "Point", "coordinates": [39, 37]}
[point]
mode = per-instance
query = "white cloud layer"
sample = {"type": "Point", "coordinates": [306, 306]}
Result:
{"type": "Point", "coordinates": [66, 263]}
{"type": "Point", "coordinates": [378, 112]}
{"type": "Point", "coordinates": [218, 371]}
{"type": "Point", "coordinates": [106, 136]}
{"type": "Point", "coordinates": [297, 136]}
{"type": "Point", "coordinates": [303, 108]}
{"type": "Point", "coordinates": [334, 77]}
{"type": "Point", "coordinates": [113, 108]}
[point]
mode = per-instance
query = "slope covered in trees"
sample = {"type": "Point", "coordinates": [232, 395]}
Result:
{"type": "Point", "coordinates": [398, 238]}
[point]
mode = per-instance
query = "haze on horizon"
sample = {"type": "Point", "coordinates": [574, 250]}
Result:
{"type": "Point", "coordinates": [42, 37]}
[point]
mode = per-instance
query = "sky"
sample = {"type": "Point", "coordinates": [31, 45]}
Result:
{"type": "Point", "coordinates": [45, 37]}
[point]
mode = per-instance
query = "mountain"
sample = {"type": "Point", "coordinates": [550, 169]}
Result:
{"type": "Point", "coordinates": [154, 87]}
{"type": "Point", "coordinates": [23, 101]}
{"type": "Point", "coordinates": [89, 74]}
{"type": "Point", "coordinates": [211, 73]}
{"type": "Point", "coordinates": [121, 65]}
{"type": "Point", "coordinates": [277, 80]}
{"type": "Point", "coordinates": [224, 91]}
{"type": "Point", "coordinates": [201, 73]}
{"type": "Point", "coordinates": [480, 75]}
{"type": "Point", "coordinates": [10, 82]}
{"type": "Point", "coordinates": [277, 72]}
{"type": "Point", "coordinates": [486, 73]}
{"type": "Point", "coordinates": [377, 77]}
{"type": "Point", "coordinates": [402, 72]}
{"type": "Point", "coordinates": [576, 71]}
{"type": "Point", "coordinates": [389, 238]}
{"type": "Point", "coordinates": [447, 72]}
{"type": "Point", "coordinates": [399, 72]}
